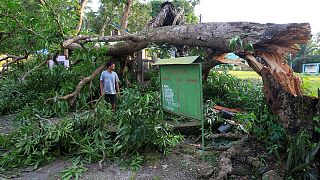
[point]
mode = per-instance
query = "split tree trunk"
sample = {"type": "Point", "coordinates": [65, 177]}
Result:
{"type": "Point", "coordinates": [295, 112]}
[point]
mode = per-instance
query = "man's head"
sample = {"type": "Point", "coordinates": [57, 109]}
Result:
{"type": "Point", "coordinates": [111, 66]}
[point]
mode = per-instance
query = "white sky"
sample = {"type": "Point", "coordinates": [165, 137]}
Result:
{"type": "Point", "coordinates": [261, 11]}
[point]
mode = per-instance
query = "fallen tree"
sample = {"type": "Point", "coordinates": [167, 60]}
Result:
{"type": "Point", "coordinates": [270, 42]}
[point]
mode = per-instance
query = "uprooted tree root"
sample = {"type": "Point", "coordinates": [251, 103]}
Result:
{"type": "Point", "coordinates": [245, 159]}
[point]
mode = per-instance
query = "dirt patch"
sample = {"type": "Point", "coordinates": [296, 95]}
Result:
{"type": "Point", "coordinates": [6, 123]}
{"type": "Point", "coordinates": [49, 171]}
{"type": "Point", "coordinates": [173, 166]}
{"type": "Point", "coordinates": [184, 163]}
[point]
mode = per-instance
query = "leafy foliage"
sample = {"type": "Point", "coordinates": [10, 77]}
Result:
{"type": "Point", "coordinates": [72, 172]}
{"type": "Point", "coordinates": [247, 121]}
{"type": "Point", "coordinates": [142, 126]}
{"type": "Point", "coordinates": [86, 135]}
{"type": "Point", "coordinates": [316, 122]}
{"type": "Point", "coordinates": [236, 44]}
{"type": "Point", "coordinates": [43, 84]}
{"type": "Point", "coordinates": [308, 53]}
{"type": "Point", "coordinates": [22, 24]}
{"type": "Point", "coordinates": [229, 91]}
{"type": "Point", "coordinates": [301, 153]}
{"type": "Point", "coordinates": [109, 16]}
{"type": "Point", "coordinates": [269, 131]}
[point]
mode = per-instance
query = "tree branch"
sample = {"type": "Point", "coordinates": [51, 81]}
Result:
{"type": "Point", "coordinates": [125, 17]}
{"type": "Point", "coordinates": [178, 17]}
{"type": "Point", "coordinates": [33, 69]}
{"type": "Point", "coordinates": [73, 96]}
{"type": "Point", "coordinates": [81, 11]}
{"type": "Point", "coordinates": [15, 59]}
{"type": "Point", "coordinates": [81, 40]}
{"type": "Point", "coordinates": [8, 56]}
{"type": "Point", "coordinates": [102, 30]}
{"type": "Point", "coordinates": [42, 2]}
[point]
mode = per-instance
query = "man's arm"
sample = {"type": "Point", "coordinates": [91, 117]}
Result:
{"type": "Point", "coordinates": [117, 84]}
{"type": "Point", "coordinates": [118, 88]}
{"type": "Point", "coordinates": [101, 88]}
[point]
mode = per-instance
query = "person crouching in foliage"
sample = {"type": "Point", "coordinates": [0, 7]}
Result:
{"type": "Point", "coordinates": [109, 85]}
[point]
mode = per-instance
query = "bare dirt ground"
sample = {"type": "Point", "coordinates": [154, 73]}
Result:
{"type": "Point", "coordinates": [6, 123]}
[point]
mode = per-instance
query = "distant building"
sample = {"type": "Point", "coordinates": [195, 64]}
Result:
{"type": "Point", "coordinates": [61, 60]}
{"type": "Point", "coordinates": [311, 68]}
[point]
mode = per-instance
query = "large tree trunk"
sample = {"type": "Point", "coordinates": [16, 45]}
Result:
{"type": "Point", "coordinates": [295, 112]}
{"type": "Point", "coordinates": [212, 35]}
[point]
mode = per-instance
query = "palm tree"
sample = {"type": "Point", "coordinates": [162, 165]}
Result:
{"type": "Point", "coordinates": [306, 52]}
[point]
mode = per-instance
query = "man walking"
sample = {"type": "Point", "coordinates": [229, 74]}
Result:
{"type": "Point", "coordinates": [109, 85]}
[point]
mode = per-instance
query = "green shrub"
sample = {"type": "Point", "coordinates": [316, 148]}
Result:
{"type": "Point", "coordinates": [141, 123]}
{"type": "Point", "coordinates": [43, 84]}
{"type": "Point", "coordinates": [229, 91]}
{"type": "Point", "coordinates": [300, 158]}
{"type": "Point", "coordinates": [86, 135]}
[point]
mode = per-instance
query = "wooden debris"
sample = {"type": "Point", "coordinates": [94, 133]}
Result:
{"type": "Point", "coordinates": [229, 135]}
{"type": "Point", "coordinates": [234, 110]}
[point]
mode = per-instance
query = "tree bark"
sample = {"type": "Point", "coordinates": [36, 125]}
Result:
{"type": "Point", "coordinates": [270, 41]}
{"type": "Point", "coordinates": [167, 16]}
{"type": "Point", "coordinates": [295, 112]}
{"type": "Point", "coordinates": [212, 35]}
{"type": "Point", "coordinates": [125, 17]}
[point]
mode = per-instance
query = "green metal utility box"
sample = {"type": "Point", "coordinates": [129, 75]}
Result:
{"type": "Point", "coordinates": [181, 86]}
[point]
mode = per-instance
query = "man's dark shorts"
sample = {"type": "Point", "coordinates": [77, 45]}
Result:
{"type": "Point", "coordinates": [111, 98]}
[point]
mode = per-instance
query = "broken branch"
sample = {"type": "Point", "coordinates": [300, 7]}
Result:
{"type": "Point", "coordinates": [73, 96]}
{"type": "Point", "coordinates": [32, 70]}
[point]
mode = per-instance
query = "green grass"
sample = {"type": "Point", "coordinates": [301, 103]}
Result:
{"type": "Point", "coordinates": [310, 83]}
{"type": "Point", "coordinates": [245, 74]}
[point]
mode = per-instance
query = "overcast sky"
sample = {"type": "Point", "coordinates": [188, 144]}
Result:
{"type": "Point", "coordinates": [267, 11]}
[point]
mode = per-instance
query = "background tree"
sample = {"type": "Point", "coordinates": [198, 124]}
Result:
{"type": "Point", "coordinates": [185, 5]}
{"type": "Point", "coordinates": [308, 53]}
{"type": "Point", "coordinates": [110, 13]}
